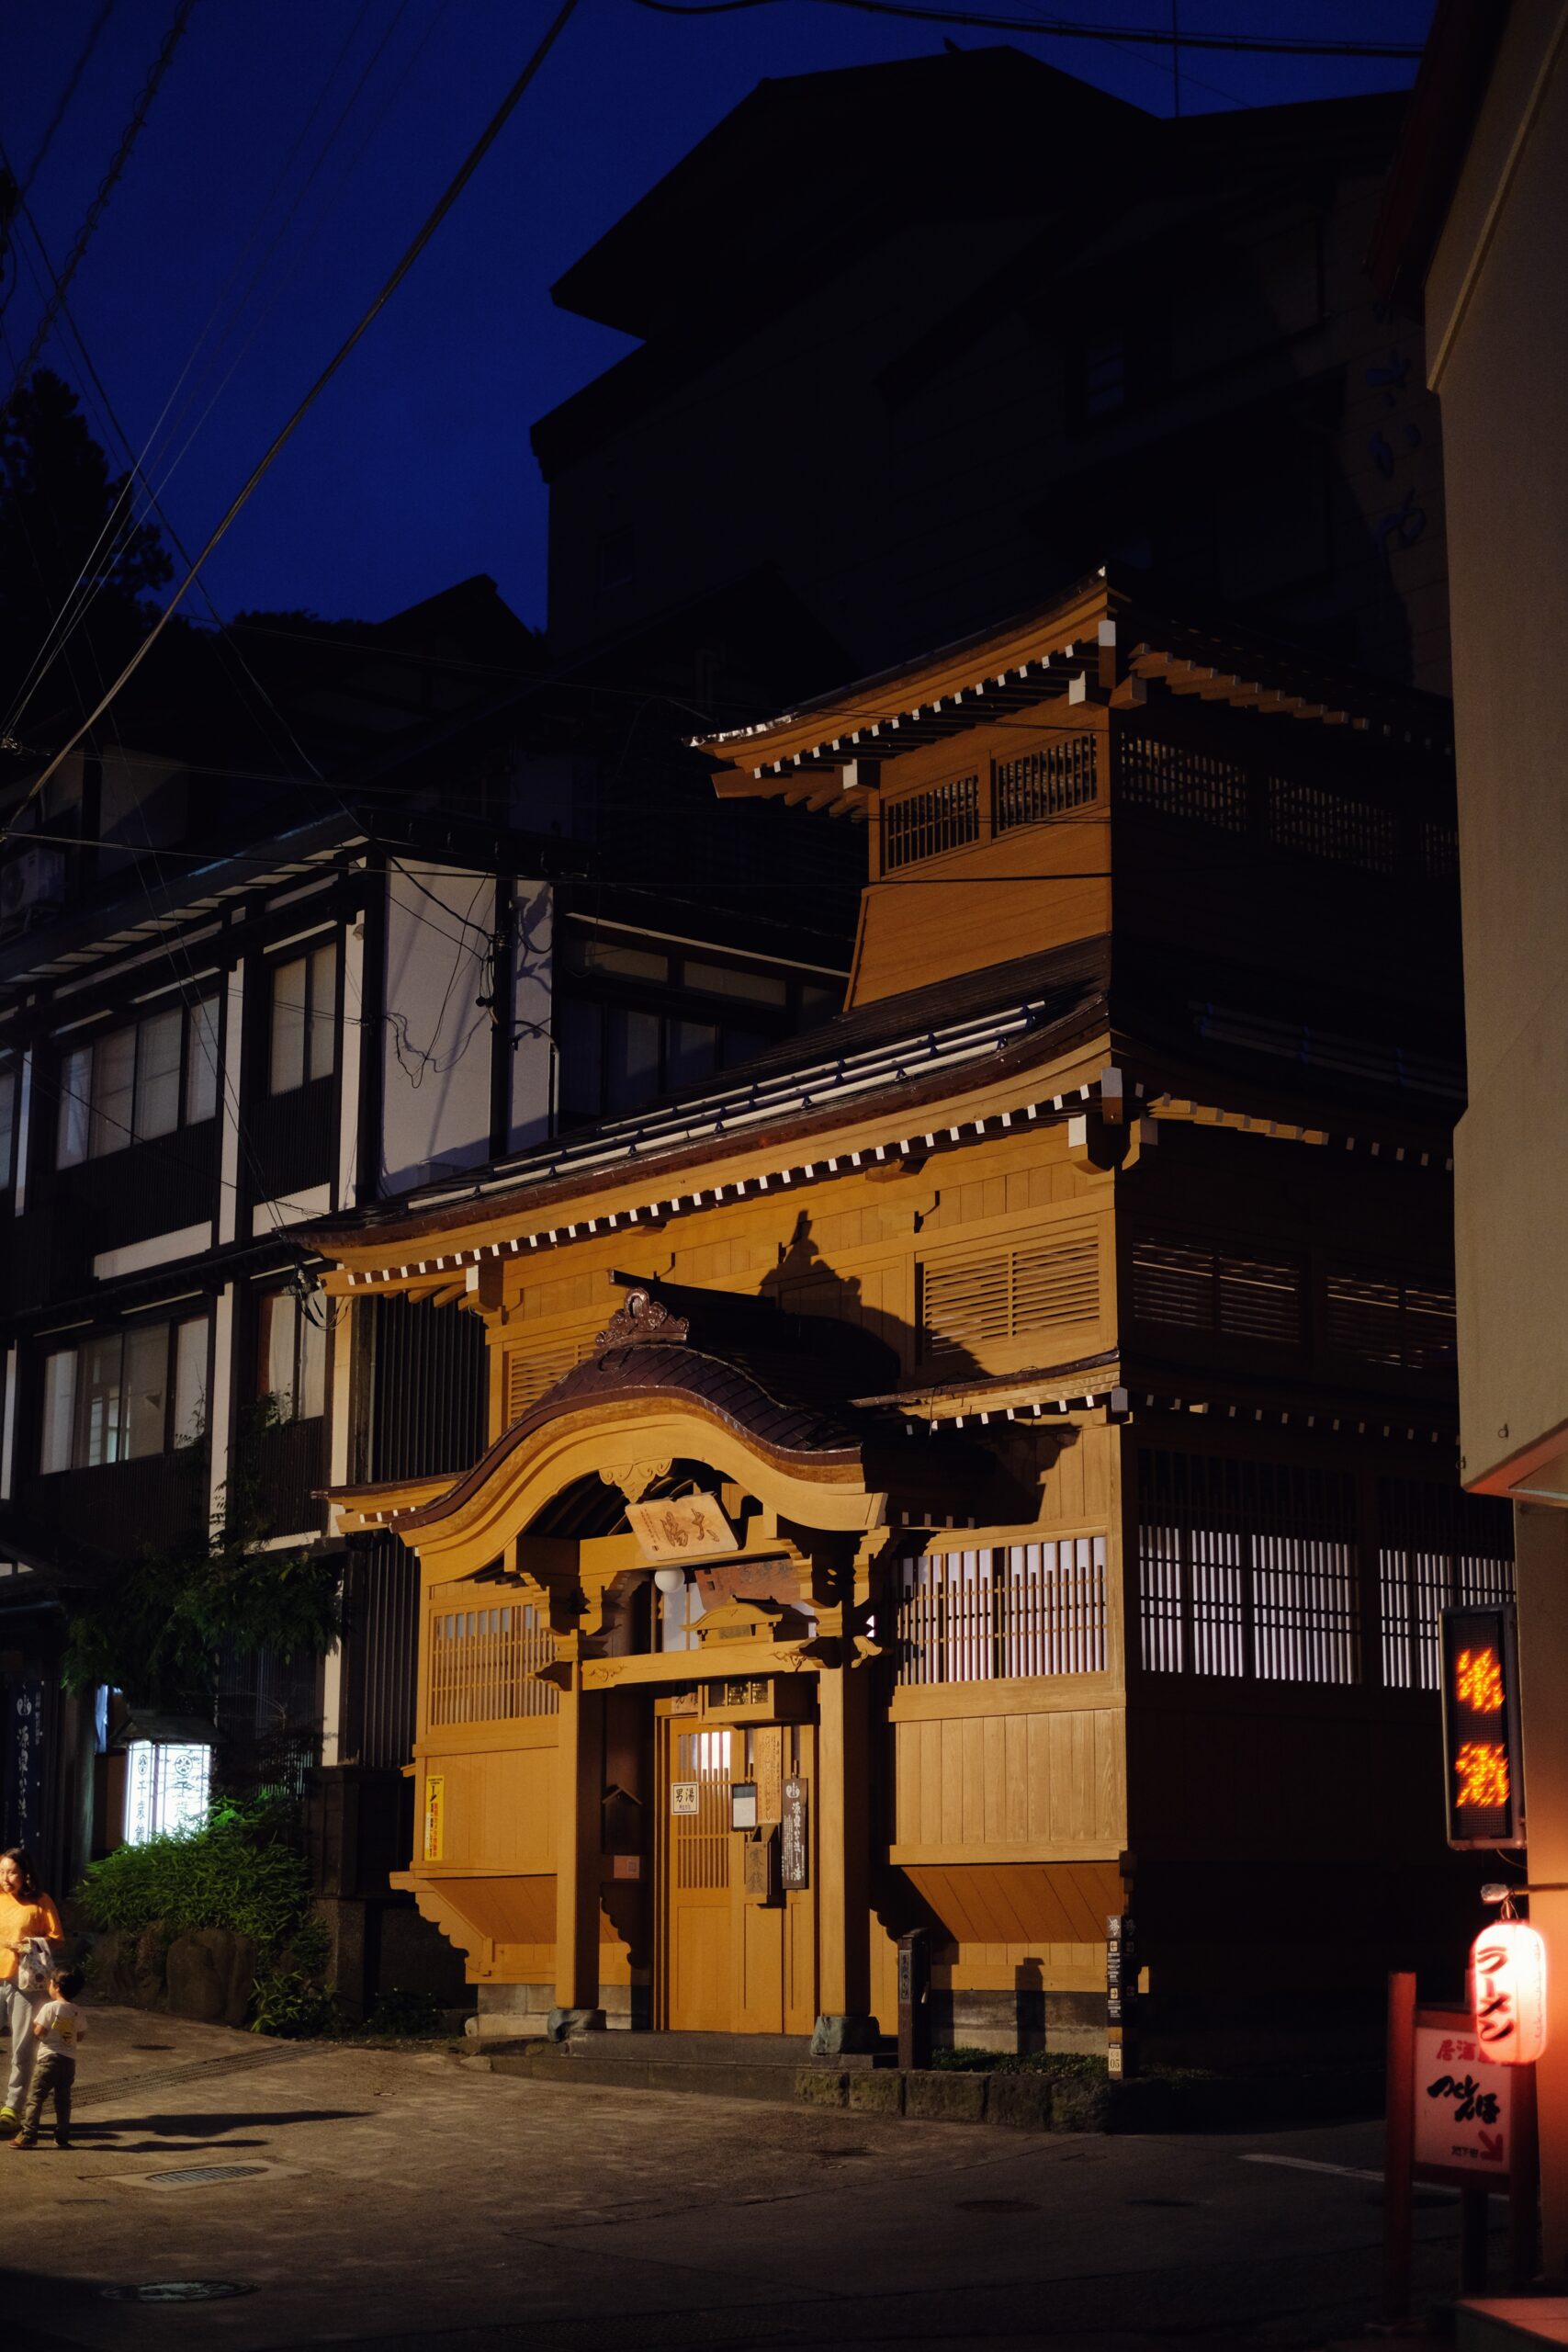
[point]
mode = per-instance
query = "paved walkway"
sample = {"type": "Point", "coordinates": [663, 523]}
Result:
{"type": "Point", "coordinates": [397, 2202]}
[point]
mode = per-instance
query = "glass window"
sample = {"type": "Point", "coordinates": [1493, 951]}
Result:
{"type": "Point", "coordinates": [146, 1389]}
{"type": "Point", "coordinates": [579, 1036]}
{"type": "Point", "coordinates": [157, 1050]}
{"type": "Point", "coordinates": [743, 1044]}
{"type": "Point", "coordinates": [290, 987]}
{"type": "Point", "coordinates": [621, 963]}
{"type": "Point", "coordinates": [694, 1051]}
{"type": "Point", "coordinates": [201, 1062]}
{"type": "Point", "coordinates": [292, 1354]}
{"type": "Point", "coordinates": [818, 1003]}
{"type": "Point", "coordinates": [723, 979]}
{"type": "Point", "coordinates": [8, 1123]}
{"type": "Point", "coordinates": [304, 1019]}
{"type": "Point", "coordinates": [190, 1382]}
{"type": "Point", "coordinates": [632, 1071]}
{"type": "Point", "coordinates": [311, 1386]}
{"type": "Point", "coordinates": [75, 1107]}
{"type": "Point", "coordinates": [113, 1091]}
{"type": "Point", "coordinates": [59, 1410]}
{"type": "Point", "coordinates": [98, 1433]}
{"type": "Point", "coordinates": [323, 1010]}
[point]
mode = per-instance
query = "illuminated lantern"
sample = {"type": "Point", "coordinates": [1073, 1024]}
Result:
{"type": "Point", "coordinates": [1507, 1964]}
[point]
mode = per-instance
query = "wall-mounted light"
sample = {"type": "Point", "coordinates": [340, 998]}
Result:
{"type": "Point", "coordinates": [669, 1581]}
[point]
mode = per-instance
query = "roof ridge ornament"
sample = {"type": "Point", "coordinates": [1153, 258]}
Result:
{"type": "Point", "coordinates": [643, 1319]}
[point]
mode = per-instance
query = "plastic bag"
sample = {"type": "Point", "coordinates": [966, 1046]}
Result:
{"type": "Point", "coordinates": [35, 1966]}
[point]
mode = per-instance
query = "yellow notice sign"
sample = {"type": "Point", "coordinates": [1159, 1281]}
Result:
{"type": "Point", "coordinates": [434, 1815]}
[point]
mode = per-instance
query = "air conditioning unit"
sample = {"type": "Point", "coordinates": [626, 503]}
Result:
{"type": "Point", "coordinates": [32, 883]}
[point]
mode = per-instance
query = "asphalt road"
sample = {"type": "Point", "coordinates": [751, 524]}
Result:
{"type": "Point", "coordinates": [396, 2201]}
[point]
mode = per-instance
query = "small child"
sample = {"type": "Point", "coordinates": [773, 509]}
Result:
{"type": "Point", "coordinates": [60, 2025]}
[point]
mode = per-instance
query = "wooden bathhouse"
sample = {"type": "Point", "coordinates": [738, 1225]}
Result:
{"type": "Point", "coordinates": [990, 1464]}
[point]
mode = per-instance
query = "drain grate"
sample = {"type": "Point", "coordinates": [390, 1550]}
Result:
{"type": "Point", "coordinates": [197, 2175]}
{"type": "Point", "coordinates": [176, 2290]}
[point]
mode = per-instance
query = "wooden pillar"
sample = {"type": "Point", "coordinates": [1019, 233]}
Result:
{"type": "Point", "coordinates": [844, 1863]}
{"type": "Point", "coordinates": [578, 1791]}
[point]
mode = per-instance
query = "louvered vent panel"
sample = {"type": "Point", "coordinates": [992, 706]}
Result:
{"type": "Point", "coordinates": [1057, 1283]}
{"type": "Point", "coordinates": [1364, 1318]}
{"type": "Point", "coordinates": [1259, 1300]}
{"type": "Point", "coordinates": [1173, 1286]}
{"type": "Point", "coordinates": [965, 1306]}
{"type": "Point", "coordinates": [1430, 1341]}
{"type": "Point", "coordinates": [530, 1371]}
{"type": "Point", "coordinates": [1011, 1295]}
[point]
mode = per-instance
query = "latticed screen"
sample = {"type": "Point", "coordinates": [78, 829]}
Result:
{"type": "Point", "coordinates": [1178, 782]}
{"type": "Point", "coordinates": [1015, 1609]}
{"type": "Point", "coordinates": [701, 1835]}
{"type": "Point", "coordinates": [482, 1664]}
{"type": "Point", "coordinates": [1303, 818]}
{"type": "Point", "coordinates": [1248, 1569]}
{"type": "Point", "coordinates": [1438, 1548]}
{"type": "Point", "coordinates": [1045, 783]}
{"type": "Point", "coordinates": [973, 1303]}
{"type": "Point", "coordinates": [945, 816]}
{"type": "Point", "coordinates": [1252, 1570]}
{"type": "Point", "coordinates": [1403, 1324]}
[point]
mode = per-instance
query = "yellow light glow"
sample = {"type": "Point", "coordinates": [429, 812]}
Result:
{"type": "Point", "coordinates": [1478, 1681]}
{"type": "Point", "coordinates": [1483, 1770]}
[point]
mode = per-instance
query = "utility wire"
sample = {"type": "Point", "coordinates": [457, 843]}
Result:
{"type": "Point", "coordinates": [62, 103]}
{"type": "Point", "coordinates": [1253, 44]}
{"type": "Point", "coordinates": [107, 185]}
{"type": "Point", "coordinates": [465, 173]}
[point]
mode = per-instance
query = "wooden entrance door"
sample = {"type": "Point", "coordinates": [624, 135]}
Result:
{"type": "Point", "coordinates": [698, 1898]}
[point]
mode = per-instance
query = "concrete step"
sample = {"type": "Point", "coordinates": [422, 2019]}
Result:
{"type": "Point", "coordinates": [721, 2065]}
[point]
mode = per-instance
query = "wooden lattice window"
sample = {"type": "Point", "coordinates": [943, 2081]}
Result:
{"type": "Point", "coordinates": [1178, 781]}
{"type": "Point", "coordinates": [1438, 1548]}
{"type": "Point", "coordinates": [1246, 1569]}
{"type": "Point", "coordinates": [975, 1303]}
{"type": "Point", "coordinates": [1314, 823]}
{"type": "Point", "coordinates": [1439, 850]}
{"type": "Point", "coordinates": [1012, 1610]}
{"type": "Point", "coordinates": [1406, 1325]}
{"type": "Point", "coordinates": [1186, 1286]}
{"type": "Point", "coordinates": [943, 816]}
{"type": "Point", "coordinates": [482, 1664]}
{"type": "Point", "coordinates": [530, 1371]}
{"type": "Point", "coordinates": [1045, 783]}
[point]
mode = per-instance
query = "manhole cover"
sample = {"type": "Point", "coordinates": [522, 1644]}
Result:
{"type": "Point", "coordinates": [995, 2205]}
{"type": "Point", "coordinates": [176, 2291]}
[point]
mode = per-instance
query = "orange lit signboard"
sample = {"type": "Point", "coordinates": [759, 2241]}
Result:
{"type": "Point", "coordinates": [1484, 1788]}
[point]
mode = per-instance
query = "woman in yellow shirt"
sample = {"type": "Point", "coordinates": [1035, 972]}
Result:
{"type": "Point", "coordinates": [24, 1913]}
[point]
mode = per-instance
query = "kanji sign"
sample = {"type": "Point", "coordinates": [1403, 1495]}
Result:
{"type": "Point", "coordinates": [1463, 2107]}
{"type": "Point", "coordinates": [1484, 1796]}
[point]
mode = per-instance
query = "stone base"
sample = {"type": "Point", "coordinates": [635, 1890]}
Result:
{"type": "Point", "coordinates": [835, 2037]}
{"type": "Point", "coordinates": [513, 2012]}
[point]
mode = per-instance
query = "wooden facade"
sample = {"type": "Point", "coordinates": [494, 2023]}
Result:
{"type": "Point", "coordinates": [1043, 1378]}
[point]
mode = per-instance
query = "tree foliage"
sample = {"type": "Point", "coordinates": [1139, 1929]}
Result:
{"type": "Point", "coordinates": [63, 514]}
{"type": "Point", "coordinates": [157, 1631]}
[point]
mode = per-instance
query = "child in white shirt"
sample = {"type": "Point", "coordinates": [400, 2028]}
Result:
{"type": "Point", "coordinates": [58, 2026]}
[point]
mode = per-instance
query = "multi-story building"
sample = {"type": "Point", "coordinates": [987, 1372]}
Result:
{"type": "Point", "coordinates": [247, 984]}
{"type": "Point", "coordinates": [991, 1464]}
{"type": "Point", "coordinates": [1469, 240]}
{"type": "Point", "coordinates": [1005, 323]}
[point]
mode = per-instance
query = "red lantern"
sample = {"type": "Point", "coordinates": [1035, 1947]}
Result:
{"type": "Point", "coordinates": [1507, 1963]}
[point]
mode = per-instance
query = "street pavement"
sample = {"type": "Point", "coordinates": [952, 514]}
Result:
{"type": "Point", "coordinates": [395, 2200]}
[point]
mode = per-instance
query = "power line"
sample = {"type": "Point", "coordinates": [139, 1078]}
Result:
{"type": "Point", "coordinates": [107, 185]}
{"type": "Point", "coordinates": [464, 174]}
{"type": "Point", "coordinates": [1252, 44]}
{"type": "Point", "coordinates": [61, 105]}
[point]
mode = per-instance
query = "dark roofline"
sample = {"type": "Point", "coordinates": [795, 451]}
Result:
{"type": "Point", "coordinates": [1450, 87]}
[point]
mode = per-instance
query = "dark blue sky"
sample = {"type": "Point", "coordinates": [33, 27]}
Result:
{"type": "Point", "coordinates": [414, 469]}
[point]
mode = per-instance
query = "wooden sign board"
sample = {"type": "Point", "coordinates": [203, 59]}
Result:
{"type": "Point", "coordinates": [682, 1527]}
{"type": "Point", "coordinates": [435, 1817]}
{"type": "Point", "coordinates": [683, 1797]}
{"type": "Point", "coordinates": [760, 1868]}
{"type": "Point", "coordinates": [795, 1850]}
{"type": "Point", "coordinates": [767, 1754]}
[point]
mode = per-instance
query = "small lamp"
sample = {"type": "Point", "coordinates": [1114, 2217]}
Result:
{"type": "Point", "coordinates": [669, 1581]}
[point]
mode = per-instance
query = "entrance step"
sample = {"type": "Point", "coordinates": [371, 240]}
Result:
{"type": "Point", "coordinates": [719, 2065]}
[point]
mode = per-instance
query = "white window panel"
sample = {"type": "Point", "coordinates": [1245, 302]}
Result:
{"type": "Point", "coordinates": [75, 1107]}
{"type": "Point", "coordinates": [146, 1388]}
{"type": "Point", "coordinates": [201, 1063]}
{"type": "Point", "coordinates": [190, 1382]}
{"type": "Point", "coordinates": [59, 1410]}
{"type": "Point", "coordinates": [158, 1074]}
{"type": "Point", "coordinates": [114, 1081]}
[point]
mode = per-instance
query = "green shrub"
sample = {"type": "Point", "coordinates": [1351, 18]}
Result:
{"type": "Point", "coordinates": [292, 2005]}
{"type": "Point", "coordinates": [410, 2016]}
{"type": "Point", "coordinates": [244, 1869]}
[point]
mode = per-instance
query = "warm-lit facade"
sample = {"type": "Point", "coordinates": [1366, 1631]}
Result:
{"type": "Point", "coordinates": [1035, 1391]}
